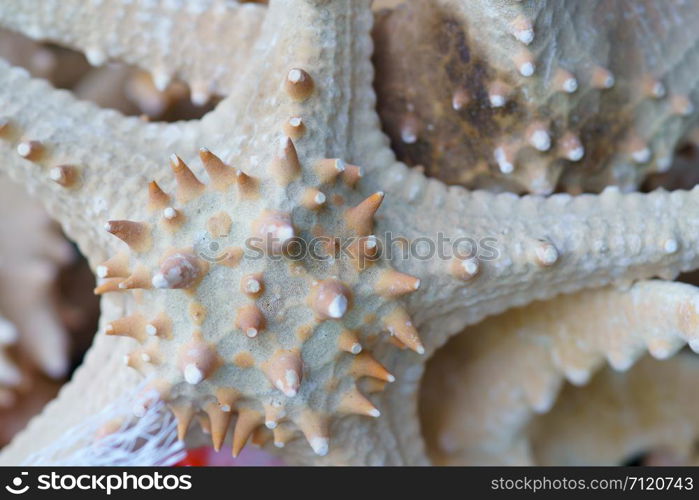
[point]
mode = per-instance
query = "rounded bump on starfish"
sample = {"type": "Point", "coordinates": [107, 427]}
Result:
{"type": "Point", "coordinates": [298, 84]}
{"type": "Point", "coordinates": [330, 299]}
{"type": "Point", "coordinates": [313, 199]}
{"type": "Point", "coordinates": [602, 78]}
{"type": "Point", "coordinates": [294, 127]}
{"type": "Point", "coordinates": [30, 149]}
{"type": "Point", "coordinates": [66, 176]}
{"type": "Point", "coordinates": [179, 270]}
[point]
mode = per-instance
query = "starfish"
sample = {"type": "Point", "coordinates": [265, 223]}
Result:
{"type": "Point", "coordinates": [537, 96]}
{"type": "Point", "coordinates": [519, 417]}
{"type": "Point", "coordinates": [293, 155]}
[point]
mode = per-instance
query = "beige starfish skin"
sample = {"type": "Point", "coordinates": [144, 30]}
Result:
{"type": "Point", "coordinates": [166, 37]}
{"type": "Point", "coordinates": [546, 343]}
{"type": "Point", "coordinates": [546, 246]}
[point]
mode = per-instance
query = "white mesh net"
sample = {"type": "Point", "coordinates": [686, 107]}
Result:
{"type": "Point", "coordinates": [135, 430]}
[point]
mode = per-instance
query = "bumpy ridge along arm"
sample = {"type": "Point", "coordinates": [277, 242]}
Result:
{"type": "Point", "coordinates": [100, 380]}
{"type": "Point", "coordinates": [203, 42]}
{"type": "Point", "coordinates": [571, 336]}
{"type": "Point", "coordinates": [109, 157]}
{"type": "Point", "coordinates": [591, 241]}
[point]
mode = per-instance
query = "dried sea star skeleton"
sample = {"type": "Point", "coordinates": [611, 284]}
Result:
{"type": "Point", "coordinates": [545, 246]}
{"type": "Point", "coordinates": [543, 345]}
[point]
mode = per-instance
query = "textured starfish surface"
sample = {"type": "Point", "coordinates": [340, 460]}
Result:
{"type": "Point", "coordinates": [206, 284]}
{"type": "Point", "coordinates": [537, 96]}
{"type": "Point", "coordinates": [545, 344]}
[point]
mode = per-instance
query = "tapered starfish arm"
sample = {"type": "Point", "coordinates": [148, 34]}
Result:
{"type": "Point", "coordinates": [542, 345]}
{"type": "Point", "coordinates": [531, 248]}
{"type": "Point", "coordinates": [74, 157]}
{"type": "Point", "coordinates": [203, 42]}
{"type": "Point", "coordinates": [649, 412]}
{"type": "Point", "coordinates": [101, 379]}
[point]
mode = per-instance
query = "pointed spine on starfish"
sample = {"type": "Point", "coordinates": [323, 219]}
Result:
{"type": "Point", "coordinates": [285, 370]}
{"type": "Point", "coordinates": [465, 269]}
{"type": "Point", "coordinates": [539, 137]}
{"type": "Point", "coordinates": [294, 127]}
{"type": "Point", "coordinates": [360, 219]}
{"type": "Point", "coordinates": [328, 169]}
{"type": "Point", "coordinates": [65, 175]}
{"type": "Point", "coordinates": [139, 279]}
{"type": "Point", "coordinates": [351, 175]}
{"type": "Point", "coordinates": [602, 78]}
{"type": "Point", "coordinates": [157, 198]}
{"type": "Point", "coordinates": [219, 421]}
{"type": "Point", "coordinates": [135, 234]}
{"type": "Point", "coordinates": [247, 185]}
{"type": "Point", "coordinates": [394, 284]}
{"type": "Point", "coordinates": [286, 166]}
{"type": "Point", "coordinates": [653, 88]}
{"type": "Point", "coordinates": [117, 266]}
{"type": "Point", "coordinates": [355, 403]}
{"type": "Point", "coordinates": [399, 325]}
{"type": "Point", "coordinates": [681, 105]}
{"type": "Point", "coordinates": [274, 412]}
{"type": "Point", "coordinates": [221, 175]}
{"type": "Point", "coordinates": [524, 61]}
{"type": "Point", "coordinates": [564, 81]}
{"type": "Point", "coordinates": [248, 420]}
{"type": "Point", "coordinates": [298, 84]}
{"type": "Point", "coordinates": [128, 326]}
{"type": "Point", "coordinates": [188, 186]}
{"type": "Point", "coordinates": [250, 320]}
{"type": "Point", "coordinates": [570, 147]}
{"type": "Point", "coordinates": [349, 342]}
{"type": "Point", "coordinates": [522, 29]}
{"type": "Point", "coordinates": [31, 150]}
{"type": "Point", "coordinates": [365, 365]}
{"type": "Point", "coordinates": [315, 429]}
{"type": "Point", "coordinates": [197, 360]}
{"type": "Point", "coordinates": [460, 99]}
{"type": "Point", "coordinates": [498, 93]}
{"type": "Point", "coordinates": [313, 199]}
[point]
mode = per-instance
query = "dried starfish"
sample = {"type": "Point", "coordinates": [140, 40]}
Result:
{"type": "Point", "coordinates": [537, 96]}
{"type": "Point", "coordinates": [274, 340]}
{"type": "Point", "coordinates": [546, 343]}
{"type": "Point", "coordinates": [29, 264]}
{"type": "Point", "coordinates": [649, 410]}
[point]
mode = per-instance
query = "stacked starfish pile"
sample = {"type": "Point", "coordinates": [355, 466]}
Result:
{"type": "Point", "coordinates": [254, 286]}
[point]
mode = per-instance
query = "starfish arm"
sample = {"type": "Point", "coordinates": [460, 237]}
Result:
{"type": "Point", "coordinates": [648, 412]}
{"type": "Point", "coordinates": [537, 98]}
{"type": "Point", "coordinates": [76, 158]}
{"type": "Point", "coordinates": [202, 42]}
{"type": "Point", "coordinates": [542, 345]}
{"type": "Point", "coordinates": [100, 380]}
{"type": "Point", "coordinates": [529, 248]}
{"type": "Point", "coordinates": [335, 57]}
